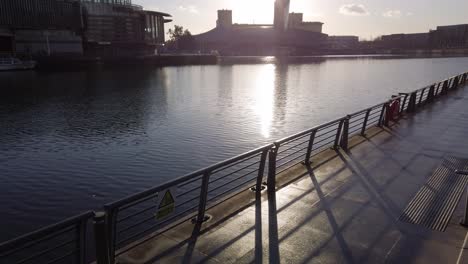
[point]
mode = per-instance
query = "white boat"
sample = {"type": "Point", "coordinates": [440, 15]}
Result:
{"type": "Point", "coordinates": [14, 64]}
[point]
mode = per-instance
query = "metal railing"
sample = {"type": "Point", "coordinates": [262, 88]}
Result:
{"type": "Point", "coordinates": [301, 147]}
{"type": "Point", "coordinates": [131, 221]}
{"type": "Point", "coordinates": [64, 242]}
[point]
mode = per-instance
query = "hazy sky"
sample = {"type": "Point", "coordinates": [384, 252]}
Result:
{"type": "Point", "coordinates": [364, 18]}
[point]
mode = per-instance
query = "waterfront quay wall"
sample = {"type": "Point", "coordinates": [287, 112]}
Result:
{"type": "Point", "coordinates": [123, 225]}
{"type": "Point", "coordinates": [77, 62]}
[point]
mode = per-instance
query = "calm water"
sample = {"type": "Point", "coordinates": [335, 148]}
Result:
{"type": "Point", "coordinates": [72, 141]}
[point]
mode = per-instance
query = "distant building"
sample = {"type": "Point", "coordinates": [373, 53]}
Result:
{"type": "Point", "coordinates": [443, 37]}
{"type": "Point", "coordinates": [342, 42]}
{"type": "Point", "coordinates": [259, 39]}
{"type": "Point", "coordinates": [114, 29]}
{"type": "Point", "coordinates": [224, 19]}
{"type": "Point", "coordinates": [406, 41]}
{"type": "Point", "coordinates": [40, 27]}
{"type": "Point", "coordinates": [455, 36]}
{"type": "Point", "coordinates": [296, 22]}
{"type": "Point", "coordinates": [79, 27]}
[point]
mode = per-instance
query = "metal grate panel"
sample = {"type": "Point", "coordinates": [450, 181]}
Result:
{"type": "Point", "coordinates": [436, 201]}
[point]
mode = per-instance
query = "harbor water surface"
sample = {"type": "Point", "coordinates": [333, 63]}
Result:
{"type": "Point", "coordinates": [71, 141]}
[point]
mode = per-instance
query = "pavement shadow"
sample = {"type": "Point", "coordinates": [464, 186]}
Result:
{"type": "Point", "coordinates": [340, 226]}
{"type": "Point", "coordinates": [273, 241]}
{"type": "Point", "coordinates": [325, 206]}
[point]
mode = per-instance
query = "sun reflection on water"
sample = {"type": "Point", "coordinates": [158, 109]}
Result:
{"type": "Point", "coordinates": [264, 98]}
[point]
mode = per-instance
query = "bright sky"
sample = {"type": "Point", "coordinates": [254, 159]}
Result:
{"type": "Point", "coordinates": [364, 18]}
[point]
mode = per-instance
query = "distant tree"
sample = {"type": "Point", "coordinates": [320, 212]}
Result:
{"type": "Point", "coordinates": [176, 33]}
{"type": "Point", "coordinates": [378, 38]}
{"type": "Point", "coordinates": [180, 39]}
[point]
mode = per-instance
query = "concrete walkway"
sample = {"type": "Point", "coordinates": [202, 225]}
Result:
{"type": "Point", "coordinates": [344, 209]}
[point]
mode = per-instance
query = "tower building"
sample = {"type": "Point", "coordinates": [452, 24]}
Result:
{"type": "Point", "coordinates": [281, 20]}
{"type": "Point", "coordinates": [224, 18]}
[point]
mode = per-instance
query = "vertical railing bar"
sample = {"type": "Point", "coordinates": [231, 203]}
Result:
{"type": "Point", "coordinates": [381, 119]}
{"type": "Point", "coordinates": [455, 83]}
{"type": "Point", "coordinates": [272, 210]}
{"type": "Point", "coordinates": [271, 181]}
{"type": "Point", "coordinates": [338, 135]}
{"type": "Point", "coordinates": [104, 255]}
{"type": "Point", "coordinates": [421, 97]}
{"type": "Point", "coordinates": [261, 170]}
{"type": "Point", "coordinates": [404, 102]}
{"type": "Point", "coordinates": [445, 88]}
{"type": "Point", "coordinates": [364, 124]}
{"type": "Point", "coordinates": [203, 197]}
{"type": "Point", "coordinates": [111, 227]}
{"type": "Point", "coordinates": [309, 147]}
{"type": "Point", "coordinates": [407, 97]}
{"type": "Point", "coordinates": [430, 96]}
{"type": "Point", "coordinates": [345, 134]}
{"type": "Point", "coordinates": [81, 235]}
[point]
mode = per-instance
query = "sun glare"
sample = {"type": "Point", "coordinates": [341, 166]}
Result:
{"type": "Point", "coordinates": [252, 11]}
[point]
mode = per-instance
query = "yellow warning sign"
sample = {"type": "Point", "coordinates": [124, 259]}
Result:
{"type": "Point", "coordinates": [166, 205]}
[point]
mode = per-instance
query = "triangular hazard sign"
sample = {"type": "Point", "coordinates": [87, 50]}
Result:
{"type": "Point", "coordinates": [166, 200]}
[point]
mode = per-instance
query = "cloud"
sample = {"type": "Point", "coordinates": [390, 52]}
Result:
{"type": "Point", "coordinates": [392, 14]}
{"type": "Point", "coordinates": [354, 10]}
{"type": "Point", "coordinates": [190, 8]}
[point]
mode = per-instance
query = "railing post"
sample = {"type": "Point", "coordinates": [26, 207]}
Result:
{"type": "Point", "coordinates": [464, 221]}
{"type": "Point", "coordinates": [310, 147]}
{"type": "Point", "coordinates": [203, 198]}
{"type": "Point", "coordinates": [386, 117]}
{"type": "Point", "coordinates": [81, 234]}
{"type": "Point", "coordinates": [338, 135]}
{"type": "Point", "coordinates": [101, 241]}
{"type": "Point", "coordinates": [364, 124]}
{"type": "Point", "coordinates": [430, 96]}
{"type": "Point", "coordinates": [421, 97]}
{"type": "Point", "coordinates": [436, 92]}
{"type": "Point", "coordinates": [345, 134]}
{"type": "Point", "coordinates": [382, 115]}
{"type": "Point", "coordinates": [271, 182]}
{"type": "Point", "coordinates": [445, 87]}
{"type": "Point", "coordinates": [456, 82]}
{"type": "Point", "coordinates": [412, 103]}
{"type": "Point", "coordinates": [111, 229]}
{"type": "Point", "coordinates": [261, 171]}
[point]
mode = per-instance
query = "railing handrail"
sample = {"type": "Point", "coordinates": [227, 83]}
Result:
{"type": "Point", "coordinates": [7, 245]}
{"type": "Point", "coordinates": [305, 132]}
{"type": "Point", "coordinates": [184, 178]}
{"type": "Point", "coordinates": [437, 82]}
{"type": "Point", "coordinates": [365, 110]}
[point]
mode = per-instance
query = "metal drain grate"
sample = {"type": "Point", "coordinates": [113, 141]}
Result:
{"type": "Point", "coordinates": [435, 203]}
